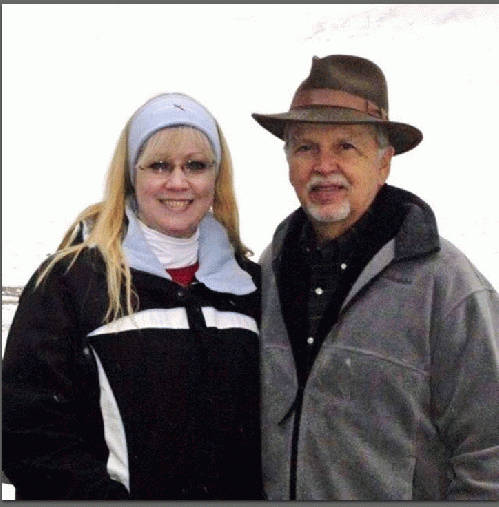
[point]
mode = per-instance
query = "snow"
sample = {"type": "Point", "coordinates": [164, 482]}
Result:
{"type": "Point", "coordinates": [440, 63]}
{"type": "Point", "coordinates": [8, 492]}
{"type": "Point", "coordinates": [8, 310]}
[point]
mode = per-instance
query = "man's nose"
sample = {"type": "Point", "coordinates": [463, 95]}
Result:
{"type": "Point", "coordinates": [327, 161]}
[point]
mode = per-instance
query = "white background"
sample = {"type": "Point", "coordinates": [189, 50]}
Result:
{"type": "Point", "coordinates": [73, 74]}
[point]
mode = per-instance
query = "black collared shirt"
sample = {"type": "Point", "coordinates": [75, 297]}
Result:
{"type": "Point", "coordinates": [314, 280]}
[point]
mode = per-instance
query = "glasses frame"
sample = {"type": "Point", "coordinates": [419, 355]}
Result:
{"type": "Point", "coordinates": [188, 173]}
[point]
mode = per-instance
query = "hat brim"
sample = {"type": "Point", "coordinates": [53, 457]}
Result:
{"type": "Point", "coordinates": [403, 137]}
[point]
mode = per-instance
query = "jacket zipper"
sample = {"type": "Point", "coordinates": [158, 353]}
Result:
{"type": "Point", "coordinates": [295, 409]}
{"type": "Point", "coordinates": [293, 467]}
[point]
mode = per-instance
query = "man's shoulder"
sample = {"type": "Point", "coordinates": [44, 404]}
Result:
{"type": "Point", "coordinates": [293, 220]}
{"type": "Point", "coordinates": [446, 272]}
{"type": "Point", "coordinates": [454, 264]}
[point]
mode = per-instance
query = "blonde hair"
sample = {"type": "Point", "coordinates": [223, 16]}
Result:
{"type": "Point", "coordinates": [106, 225]}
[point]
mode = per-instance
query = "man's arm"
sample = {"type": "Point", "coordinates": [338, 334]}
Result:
{"type": "Point", "coordinates": [465, 394]}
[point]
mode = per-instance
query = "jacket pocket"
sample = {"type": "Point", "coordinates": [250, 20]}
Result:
{"type": "Point", "coordinates": [362, 412]}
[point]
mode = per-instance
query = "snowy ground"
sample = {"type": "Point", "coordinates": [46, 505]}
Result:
{"type": "Point", "coordinates": [8, 492]}
{"type": "Point", "coordinates": [8, 309]}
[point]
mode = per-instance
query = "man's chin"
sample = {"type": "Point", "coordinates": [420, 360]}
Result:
{"type": "Point", "coordinates": [328, 214]}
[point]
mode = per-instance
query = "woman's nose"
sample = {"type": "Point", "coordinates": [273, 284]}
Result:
{"type": "Point", "coordinates": [177, 178]}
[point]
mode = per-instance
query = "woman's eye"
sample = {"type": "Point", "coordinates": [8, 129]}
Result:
{"type": "Point", "coordinates": [159, 167]}
{"type": "Point", "coordinates": [196, 165]}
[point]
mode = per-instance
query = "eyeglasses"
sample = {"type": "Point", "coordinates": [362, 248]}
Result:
{"type": "Point", "coordinates": [163, 170]}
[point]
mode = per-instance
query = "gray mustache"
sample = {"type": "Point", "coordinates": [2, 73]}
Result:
{"type": "Point", "coordinates": [335, 179]}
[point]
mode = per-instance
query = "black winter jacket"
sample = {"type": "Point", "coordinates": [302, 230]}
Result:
{"type": "Point", "coordinates": [163, 404]}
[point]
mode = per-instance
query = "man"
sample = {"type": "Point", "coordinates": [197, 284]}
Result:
{"type": "Point", "coordinates": [380, 349]}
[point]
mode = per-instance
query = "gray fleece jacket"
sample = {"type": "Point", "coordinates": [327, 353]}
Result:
{"type": "Point", "coordinates": [402, 401]}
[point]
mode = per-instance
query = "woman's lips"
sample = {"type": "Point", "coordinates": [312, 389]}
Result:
{"type": "Point", "coordinates": [176, 205]}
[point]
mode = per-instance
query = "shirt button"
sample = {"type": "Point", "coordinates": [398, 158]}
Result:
{"type": "Point", "coordinates": [343, 267]}
{"type": "Point", "coordinates": [318, 291]}
{"type": "Point", "coordinates": [310, 340]}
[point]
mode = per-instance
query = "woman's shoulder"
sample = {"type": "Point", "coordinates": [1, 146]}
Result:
{"type": "Point", "coordinates": [70, 268]}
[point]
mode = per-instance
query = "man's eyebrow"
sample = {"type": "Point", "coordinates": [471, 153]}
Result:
{"type": "Point", "coordinates": [299, 137]}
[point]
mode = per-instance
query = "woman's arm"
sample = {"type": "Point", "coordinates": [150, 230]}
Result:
{"type": "Point", "coordinates": [53, 445]}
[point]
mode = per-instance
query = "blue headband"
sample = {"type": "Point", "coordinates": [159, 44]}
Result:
{"type": "Point", "coordinates": [169, 110]}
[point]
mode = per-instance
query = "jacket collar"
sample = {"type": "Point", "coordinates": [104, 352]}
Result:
{"type": "Point", "coordinates": [417, 236]}
{"type": "Point", "coordinates": [218, 268]}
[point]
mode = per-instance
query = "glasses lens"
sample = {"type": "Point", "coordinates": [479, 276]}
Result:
{"type": "Point", "coordinates": [196, 166]}
{"type": "Point", "coordinates": [159, 167]}
{"type": "Point", "coordinates": [163, 169]}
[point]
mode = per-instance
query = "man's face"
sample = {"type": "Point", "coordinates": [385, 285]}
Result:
{"type": "Point", "coordinates": [336, 171]}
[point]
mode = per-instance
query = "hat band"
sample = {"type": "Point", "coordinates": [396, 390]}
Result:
{"type": "Point", "coordinates": [337, 98]}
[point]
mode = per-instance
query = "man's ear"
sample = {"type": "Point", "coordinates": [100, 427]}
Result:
{"type": "Point", "coordinates": [385, 163]}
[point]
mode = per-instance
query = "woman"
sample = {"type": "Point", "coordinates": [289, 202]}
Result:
{"type": "Point", "coordinates": [131, 366]}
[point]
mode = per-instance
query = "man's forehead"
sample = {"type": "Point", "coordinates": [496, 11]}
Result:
{"type": "Point", "coordinates": [300, 130]}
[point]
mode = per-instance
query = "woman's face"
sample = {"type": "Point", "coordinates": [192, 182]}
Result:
{"type": "Point", "coordinates": [175, 181]}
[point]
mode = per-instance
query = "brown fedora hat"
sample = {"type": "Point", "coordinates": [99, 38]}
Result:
{"type": "Point", "coordinates": [343, 89]}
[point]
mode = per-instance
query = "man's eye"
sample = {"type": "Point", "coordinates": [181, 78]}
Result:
{"type": "Point", "coordinates": [301, 148]}
{"type": "Point", "coordinates": [159, 167]}
{"type": "Point", "coordinates": [346, 145]}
